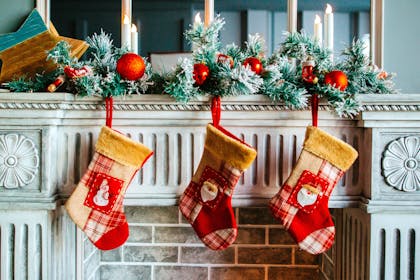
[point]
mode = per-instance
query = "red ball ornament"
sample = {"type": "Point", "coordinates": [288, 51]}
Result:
{"type": "Point", "coordinates": [337, 79]}
{"type": "Point", "coordinates": [131, 66]}
{"type": "Point", "coordinates": [223, 58]}
{"type": "Point", "coordinates": [255, 64]}
{"type": "Point", "coordinates": [200, 73]}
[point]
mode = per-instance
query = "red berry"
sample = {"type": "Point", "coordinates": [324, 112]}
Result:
{"type": "Point", "coordinates": [222, 58]}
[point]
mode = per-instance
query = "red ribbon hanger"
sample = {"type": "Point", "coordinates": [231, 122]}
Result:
{"type": "Point", "coordinates": [109, 104]}
{"type": "Point", "coordinates": [314, 108]}
{"type": "Point", "coordinates": [215, 110]}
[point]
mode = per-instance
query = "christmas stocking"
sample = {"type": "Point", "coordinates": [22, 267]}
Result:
{"type": "Point", "coordinates": [301, 205]}
{"type": "Point", "coordinates": [96, 205]}
{"type": "Point", "coordinates": [206, 203]}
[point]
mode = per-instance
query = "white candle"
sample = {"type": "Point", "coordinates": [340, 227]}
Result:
{"type": "Point", "coordinates": [125, 34]}
{"type": "Point", "coordinates": [197, 20]}
{"type": "Point", "coordinates": [126, 6]}
{"type": "Point", "coordinates": [208, 12]}
{"type": "Point", "coordinates": [329, 28]}
{"type": "Point", "coordinates": [292, 15]}
{"type": "Point", "coordinates": [318, 30]}
{"type": "Point", "coordinates": [126, 9]}
{"type": "Point", "coordinates": [134, 39]}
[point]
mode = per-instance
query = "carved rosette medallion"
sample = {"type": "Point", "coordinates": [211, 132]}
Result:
{"type": "Point", "coordinates": [401, 164]}
{"type": "Point", "coordinates": [19, 161]}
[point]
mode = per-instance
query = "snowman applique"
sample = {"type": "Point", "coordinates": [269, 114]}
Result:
{"type": "Point", "coordinates": [307, 195]}
{"type": "Point", "coordinates": [102, 195]}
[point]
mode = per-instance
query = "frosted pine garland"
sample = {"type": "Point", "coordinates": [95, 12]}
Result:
{"type": "Point", "coordinates": [281, 78]}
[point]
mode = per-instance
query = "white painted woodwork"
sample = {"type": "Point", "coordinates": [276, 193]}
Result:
{"type": "Point", "coordinates": [61, 131]}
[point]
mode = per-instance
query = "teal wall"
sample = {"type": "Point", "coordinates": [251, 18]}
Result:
{"type": "Point", "coordinates": [162, 23]}
{"type": "Point", "coordinates": [13, 13]}
{"type": "Point", "coordinates": [402, 43]}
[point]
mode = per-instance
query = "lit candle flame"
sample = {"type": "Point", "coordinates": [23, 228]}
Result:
{"type": "Point", "coordinates": [317, 19]}
{"type": "Point", "coordinates": [328, 10]}
{"type": "Point", "coordinates": [126, 20]}
{"type": "Point", "coordinates": [133, 28]}
{"type": "Point", "coordinates": [197, 18]}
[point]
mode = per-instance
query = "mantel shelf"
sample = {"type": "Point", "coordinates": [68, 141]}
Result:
{"type": "Point", "coordinates": [64, 128]}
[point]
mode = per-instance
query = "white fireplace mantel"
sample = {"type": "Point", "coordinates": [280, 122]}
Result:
{"type": "Point", "coordinates": [54, 134]}
{"type": "Point", "coordinates": [63, 130]}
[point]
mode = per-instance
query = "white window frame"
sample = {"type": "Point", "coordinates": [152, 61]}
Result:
{"type": "Point", "coordinates": [43, 7]}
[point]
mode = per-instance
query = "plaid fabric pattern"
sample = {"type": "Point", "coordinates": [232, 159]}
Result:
{"type": "Point", "coordinates": [99, 223]}
{"type": "Point", "coordinates": [322, 239]}
{"type": "Point", "coordinates": [309, 222]}
{"type": "Point", "coordinates": [319, 241]}
{"type": "Point", "coordinates": [220, 239]}
{"type": "Point", "coordinates": [232, 175]}
{"type": "Point", "coordinates": [282, 210]}
{"type": "Point", "coordinates": [330, 173]}
{"type": "Point", "coordinates": [99, 164]}
{"type": "Point", "coordinates": [189, 205]}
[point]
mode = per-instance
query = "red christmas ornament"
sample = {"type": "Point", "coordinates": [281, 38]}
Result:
{"type": "Point", "coordinates": [255, 64]}
{"type": "Point", "coordinates": [77, 72]}
{"type": "Point", "coordinates": [337, 79]}
{"type": "Point", "coordinates": [131, 66]}
{"type": "Point", "coordinates": [223, 58]}
{"type": "Point", "coordinates": [200, 73]}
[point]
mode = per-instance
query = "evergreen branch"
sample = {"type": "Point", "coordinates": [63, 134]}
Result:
{"type": "Point", "coordinates": [22, 84]}
{"type": "Point", "coordinates": [281, 79]}
{"type": "Point", "coordinates": [255, 46]}
{"type": "Point", "coordinates": [103, 53]}
{"type": "Point", "coordinates": [301, 46]}
{"type": "Point", "coordinates": [237, 81]}
{"type": "Point", "coordinates": [181, 85]}
{"type": "Point", "coordinates": [60, 55]}
{"type": "Point", "coordinates": [363, 77]}
{"type": "Point", "coordinates": [278, 88]}
{"type": "Point", "coordinates": [235, 52]}
{"type": "Point", "coordinates": [205, 37]}
{"type": "Point", "coordinates": [39, 83]}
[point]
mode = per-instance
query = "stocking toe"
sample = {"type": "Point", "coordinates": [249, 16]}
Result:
{"type": "Point", "coordinates": [220, 239]}
{"type": "Point", "coordinates": [318, 241]}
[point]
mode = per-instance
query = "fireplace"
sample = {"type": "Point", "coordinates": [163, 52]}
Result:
{"type": "Point", "coordinates": [375, 209]}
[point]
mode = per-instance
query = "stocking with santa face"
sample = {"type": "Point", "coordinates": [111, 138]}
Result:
{"type": "Point", "coordinates": [301, 205]}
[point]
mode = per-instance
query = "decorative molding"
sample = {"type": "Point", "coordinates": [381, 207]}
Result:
{"type": "Point", "coordinates": [19, 160]}
{"type": "Point", "coordinates": [190, 107]}
{"type": "Point", "coordinates": [390, 108]}
{"type": "Point", "coordinates": [401, 164]}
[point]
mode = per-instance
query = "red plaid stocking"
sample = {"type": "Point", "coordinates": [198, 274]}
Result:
{"type": "Point", "coordinates": [301, 205]}
{"type": "Point", "coordinates": [96, 205]}
{"type": "Point", "coordinates": [206, 203]}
